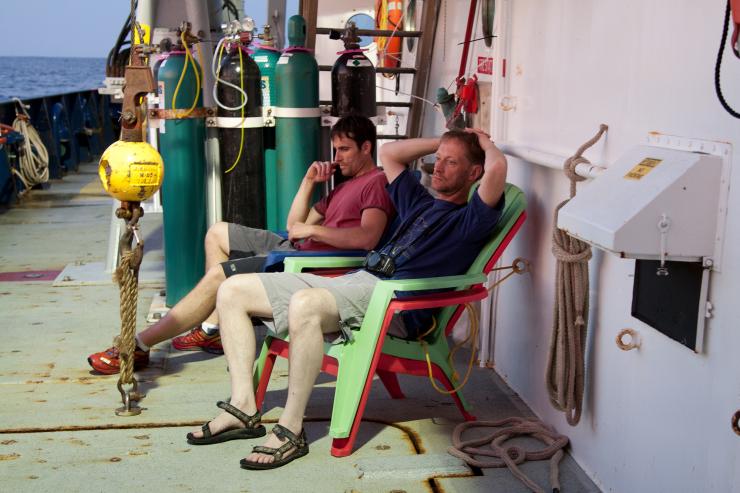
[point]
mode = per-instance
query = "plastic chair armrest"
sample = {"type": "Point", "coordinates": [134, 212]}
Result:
{"type": "Point", "coordinates": [446, 282]}
{"type": "Point", "coordinates": [277, 257]}
{"type": "Point", "coordinates": [438, 300]}
{"type": "Point", "coordinates": [298, 264]}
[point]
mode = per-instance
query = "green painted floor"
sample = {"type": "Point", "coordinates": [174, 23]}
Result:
{"type": "Point", "coordinates": [58, 431]}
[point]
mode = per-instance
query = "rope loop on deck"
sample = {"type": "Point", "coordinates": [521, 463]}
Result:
{"type": "Point", "coordinates": [510, 456]}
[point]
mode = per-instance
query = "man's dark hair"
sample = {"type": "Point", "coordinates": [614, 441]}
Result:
{"type": "Point", "coordinates": [357, 128]}
{"type": "Point", "coordinates": [473, 150]}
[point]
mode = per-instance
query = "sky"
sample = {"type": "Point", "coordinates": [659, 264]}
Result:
{"type": "Point", "coordinates": [71, 28]}
{"type": "Point", "coordinates": [64, 28]}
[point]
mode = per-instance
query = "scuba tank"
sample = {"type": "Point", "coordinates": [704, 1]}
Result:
{"type": "Point", "coordinates": [181, 144]}
{"type": "Point", "coordinates": [266, 56]}
{"type": "Point", "coordinates": [239, 121]}
{"type": "Point", "coordinates": [352, 79]}
{"type": "Point", "coordinates": [297, 125]}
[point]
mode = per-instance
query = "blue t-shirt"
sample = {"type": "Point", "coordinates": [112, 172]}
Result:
{"type": "Point", "coordinates": [457, 235]}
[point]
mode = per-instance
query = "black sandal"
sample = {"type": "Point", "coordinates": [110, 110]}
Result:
{"type": "Point", "coordinates": [298, 444]}
{"type": "Point", "coordinates": [252, 428]}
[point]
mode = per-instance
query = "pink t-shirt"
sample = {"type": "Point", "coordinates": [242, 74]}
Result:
{"type": "Point", "coordinates": [344, 205]}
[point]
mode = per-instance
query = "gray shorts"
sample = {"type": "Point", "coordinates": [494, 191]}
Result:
{"type": "Point", "coordinates": [251, 242]}
{"type": "Point", "coordinates": [248, 249]}
{"type": "Point", "coordinates": [352, 293]}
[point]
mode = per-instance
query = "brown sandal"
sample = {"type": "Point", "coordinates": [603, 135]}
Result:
{"type": "Point", "coordinates": [298, 444]}
{"type": "Point", "coordinates": [252, 428]}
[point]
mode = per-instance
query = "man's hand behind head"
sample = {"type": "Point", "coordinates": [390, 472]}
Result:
{"type": "Point", "coordinates": [493, 154]}
{"type": "Point", "coordinates": [484, 140]}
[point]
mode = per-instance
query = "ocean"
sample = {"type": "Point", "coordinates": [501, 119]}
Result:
{"type": "Point", "coordinates": [30, 77]}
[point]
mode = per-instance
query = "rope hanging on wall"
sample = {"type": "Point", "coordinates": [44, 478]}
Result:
{"type": "Point", "coordinates": [565, 365]}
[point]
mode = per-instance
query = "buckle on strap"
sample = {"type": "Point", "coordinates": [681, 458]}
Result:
{"type": "Point", "coordinates": [283, 433]}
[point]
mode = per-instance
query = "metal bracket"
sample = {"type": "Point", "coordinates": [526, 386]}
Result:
{"type": "Point", "coordinates": [138, 82]}
{"type": "Point", "coordinates": [705, 306]}
{"type": "Point", "coordinates": [664, 224]}
{"type": "Point", "coordinates": [180, 114]}
{"type": "Point", "coordinates": [268, 116]}
{"type": "Point", "coordinates": [328, 121]}
{"type": "Point", "coordinates": [235, 122]}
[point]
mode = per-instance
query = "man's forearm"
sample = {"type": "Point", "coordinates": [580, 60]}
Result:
{"type": "Point", "coordinates": [396, 156]}
{"type": "Point", "coordinates": [494, 175]}
{"type": "Point", "coordinates": [357, 238]}
{"type": "Point", "coordinates": [408, 150]}
{"type": "Point", "coordinates": [301, 205]}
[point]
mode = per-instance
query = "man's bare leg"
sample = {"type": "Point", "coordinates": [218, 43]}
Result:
{"type": "Point", "coordinates": [217, 244]}
{"type": "Point", "coordinates": [239, 298]}
{"type": "Point", "coordinates": [311, 313]}
{"type": "Point", "coordinates": [190, 311]}
{"type": "Point", "coordinates": [217, 251]}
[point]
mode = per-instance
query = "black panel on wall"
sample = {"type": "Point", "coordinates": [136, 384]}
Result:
{"type": "Point", "coordinates": [669, 303]}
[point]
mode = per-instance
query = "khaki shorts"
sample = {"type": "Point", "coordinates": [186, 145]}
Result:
{"type": "Point", "coordinates": [352, 293]}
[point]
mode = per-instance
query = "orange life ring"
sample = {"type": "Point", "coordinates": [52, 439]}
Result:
{"type": "Point", "coordinates": [388, 14]}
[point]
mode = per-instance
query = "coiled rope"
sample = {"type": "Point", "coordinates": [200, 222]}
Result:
{"type": "Point", "coordinates": [564, 377]}
{"type": "Point", "coordinates": [33, 157]}
{"type": "Point", "coordinates": [512, 455]}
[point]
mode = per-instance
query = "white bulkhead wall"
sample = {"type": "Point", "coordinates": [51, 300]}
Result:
{"type": "Point", "coordinates": [656, 418]}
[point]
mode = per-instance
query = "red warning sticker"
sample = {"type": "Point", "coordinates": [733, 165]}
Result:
{"type": "Point", "coordinates": [485, 65]}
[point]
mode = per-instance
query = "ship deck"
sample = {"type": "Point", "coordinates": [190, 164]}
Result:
{"type": "Point", "coordinates": [59, 431]}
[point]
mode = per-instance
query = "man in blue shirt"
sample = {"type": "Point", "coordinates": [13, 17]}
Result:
{"type": "Point", "coordinates": [437, 237]}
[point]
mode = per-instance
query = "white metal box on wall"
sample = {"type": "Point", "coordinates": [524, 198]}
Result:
{"type": "Point", "coordinates": [652, 203]}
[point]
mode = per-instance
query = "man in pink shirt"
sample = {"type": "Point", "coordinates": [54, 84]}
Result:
{"type": "Point", "coordinates": [353, 216]}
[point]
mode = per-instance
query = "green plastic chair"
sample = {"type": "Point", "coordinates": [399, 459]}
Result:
{"type": "Point", "coordinates": [365, 356]}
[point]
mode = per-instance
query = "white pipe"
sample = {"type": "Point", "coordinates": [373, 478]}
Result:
{"type": "Point", "coordinates": [549, 160]}
{"type": "Point", "coordinates": [498, 128]}
{"type": "Point", "coordinates": [196, 11]}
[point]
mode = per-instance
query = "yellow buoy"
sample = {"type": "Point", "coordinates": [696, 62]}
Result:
{"type": "Point", "coordinates": [131, 171]}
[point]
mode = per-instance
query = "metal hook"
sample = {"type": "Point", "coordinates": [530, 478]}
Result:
{"type": "Point", "coordinates": [129, 400]}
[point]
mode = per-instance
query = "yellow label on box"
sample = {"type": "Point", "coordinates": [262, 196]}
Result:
{"type": "Point", "coordinates": [642, 168]}
{"type": "Point", "coordinates": [144, 174]}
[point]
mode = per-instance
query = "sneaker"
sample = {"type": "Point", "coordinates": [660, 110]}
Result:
{"type": "Point", "coordinates": [108, 363]}
{"type": "Point", "coordinates": [198, 339]}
